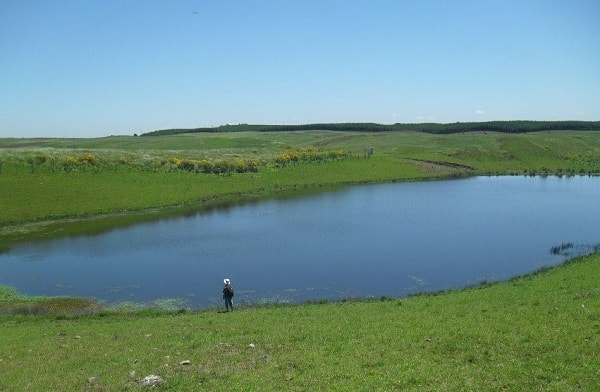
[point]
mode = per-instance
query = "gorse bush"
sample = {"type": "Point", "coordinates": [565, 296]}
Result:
{"type": "Point", "coordinates": [40, 158]}
{"type": "Point", "coordinates": [88, 158]}
{"type": "Point", "coordinates": [70, 163]}
{"type": "Point", "coordinates": [310, 155]}
{"type": "Point", "coordinates": [205, 166]}
{"type": "Point", "coordinates": [186, 164]}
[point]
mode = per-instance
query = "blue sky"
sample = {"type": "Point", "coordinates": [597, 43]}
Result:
{"type": "Point", "coordinates": [98, 68]}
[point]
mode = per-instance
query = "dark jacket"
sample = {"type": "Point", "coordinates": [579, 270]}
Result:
{"type": "Point", "coordinates": [228, 291]}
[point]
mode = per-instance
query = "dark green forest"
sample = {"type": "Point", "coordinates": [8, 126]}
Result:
{"type": "Point", "coordinates": [517, 126]}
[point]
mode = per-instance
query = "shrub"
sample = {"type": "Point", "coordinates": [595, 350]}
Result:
{"type": "Point", "coordinates": [88, 158]}
{"type": "Point", "coordinates": [70, 163]}
{"type": "Point", "coordinates": [224, 167]}
{"type": "Point", "coordinates": [283, 159]}
{"type": "Point", "coordinates": [252, 165]}
{"type": "Point", "coordinates": [241, 166]}
{"type": "Point", "coordinates": [187, 164]}
{"type": "Point", "coordinates": [205, 166]}
{"type": "Point", "coordinates": [337, 154]}
{"type": "Point", "coordinates": [40, 158]}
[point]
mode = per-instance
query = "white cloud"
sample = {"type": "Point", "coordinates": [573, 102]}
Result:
{"type": "Point", "coordinates": [425, 118]}
{"type": "Point", "coordinates": [479, 112]}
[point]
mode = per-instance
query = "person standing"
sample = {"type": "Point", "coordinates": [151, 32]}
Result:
{"type": "Point", "coordinates": [228, 295]}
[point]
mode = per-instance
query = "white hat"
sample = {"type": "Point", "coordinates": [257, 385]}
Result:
{"type": "Point", "coordinates": [226, 281]}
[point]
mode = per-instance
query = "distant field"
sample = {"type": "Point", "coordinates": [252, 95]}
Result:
{"type": "Point", "coordinates": [44, 180]}
{"type": "Point", "coordinates": [571, 150]}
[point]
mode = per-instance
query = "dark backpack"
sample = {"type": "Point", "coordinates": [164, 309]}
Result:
{"type": "Point", "coordinates": [228, 290]}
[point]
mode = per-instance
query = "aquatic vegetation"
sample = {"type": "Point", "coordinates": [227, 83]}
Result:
{"type": "Point", "coordinates": [560, 249]}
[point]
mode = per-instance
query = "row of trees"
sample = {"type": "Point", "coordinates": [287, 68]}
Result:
{"type": "Point", "coordinates": [518, 126]}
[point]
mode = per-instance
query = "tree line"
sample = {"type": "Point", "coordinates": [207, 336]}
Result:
{"type": "Point", "coordinates": [516, 126]}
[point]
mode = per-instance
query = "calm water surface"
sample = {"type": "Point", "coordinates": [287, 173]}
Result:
{"type": "Point", "coordinates": [369, 240]}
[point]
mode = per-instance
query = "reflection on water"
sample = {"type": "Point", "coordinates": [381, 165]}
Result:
{"type": "Point", "coordinates": [370, 240]}
{"type": "Point", "coordinates": [27, 258]}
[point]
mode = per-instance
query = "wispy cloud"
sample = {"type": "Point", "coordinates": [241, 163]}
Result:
{"type": "Point", "coordinates": [479, 112]}
{"type": "Point", "coordinates": [425, 118]}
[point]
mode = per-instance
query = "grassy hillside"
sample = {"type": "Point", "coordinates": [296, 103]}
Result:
{"type": "Point", "coordinates": [539, 332]}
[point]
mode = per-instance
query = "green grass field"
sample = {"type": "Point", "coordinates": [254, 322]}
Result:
{"type": "Point", "coordinates": [539, 332]}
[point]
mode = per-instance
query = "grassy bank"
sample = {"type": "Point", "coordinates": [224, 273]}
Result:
{"type": "Point", "coordinates": [539, 332]}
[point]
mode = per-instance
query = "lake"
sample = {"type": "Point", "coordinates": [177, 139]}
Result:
{"type": "Point", "coordinates": [362, 241]}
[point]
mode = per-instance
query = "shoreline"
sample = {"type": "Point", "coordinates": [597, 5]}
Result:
{"type": "Point", "coordinates": [24, 304]}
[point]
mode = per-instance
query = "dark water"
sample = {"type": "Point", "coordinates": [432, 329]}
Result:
{"type": "Point", "coordinates": [370, 240]}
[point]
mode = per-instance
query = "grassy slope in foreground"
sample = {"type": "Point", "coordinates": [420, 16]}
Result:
{"type": "Point", "coordinates": [538, 332]}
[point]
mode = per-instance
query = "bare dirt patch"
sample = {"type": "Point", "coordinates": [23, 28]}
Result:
{"type": "Point", "coordinates": [431, 166]}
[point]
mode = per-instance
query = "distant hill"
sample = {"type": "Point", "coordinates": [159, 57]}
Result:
{"type": "Point", "coordinates": [517, 126]}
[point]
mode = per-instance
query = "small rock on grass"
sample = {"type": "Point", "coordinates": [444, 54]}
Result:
{"type": "Point", "coordinates": [152, 381]}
